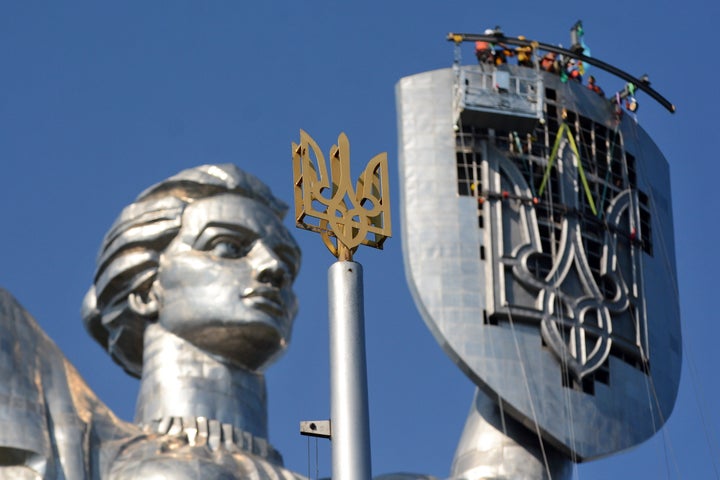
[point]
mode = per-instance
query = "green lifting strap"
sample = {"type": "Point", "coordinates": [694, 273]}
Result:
{"type": "Point", "coordinates": [566, 130]}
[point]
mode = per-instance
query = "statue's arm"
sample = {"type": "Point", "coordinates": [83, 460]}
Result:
{"type": "Point", "coordinates": [51, 423]}
{"type": "Point", "coordinates": [24, 440]}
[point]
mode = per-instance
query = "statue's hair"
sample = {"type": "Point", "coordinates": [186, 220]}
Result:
{"type": "Point", "coordinates": [128, 259]}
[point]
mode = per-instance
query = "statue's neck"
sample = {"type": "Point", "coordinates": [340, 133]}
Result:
{"type": "Point", "coordinates": [180, 380]}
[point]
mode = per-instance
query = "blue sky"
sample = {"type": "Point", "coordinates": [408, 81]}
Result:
{"type": "Point", "coordinates": [98, 100]}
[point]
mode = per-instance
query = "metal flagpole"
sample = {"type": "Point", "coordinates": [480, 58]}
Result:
{"type": "Point", "coordinates": [342, 233]}
{"type": "Point", "coordinates": [348, 373]}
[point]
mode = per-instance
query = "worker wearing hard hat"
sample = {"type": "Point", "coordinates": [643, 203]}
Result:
{"type": "Point", "coordinates": [524, 54]}
{"type": "Point", "coordinates": [485, 51]}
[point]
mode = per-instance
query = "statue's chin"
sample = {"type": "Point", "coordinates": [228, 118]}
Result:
{"type": "Point", "coordinates": [253, 346]}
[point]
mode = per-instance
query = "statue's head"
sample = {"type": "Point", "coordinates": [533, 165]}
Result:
{"type": "Point", "coordinates": [206, 256]}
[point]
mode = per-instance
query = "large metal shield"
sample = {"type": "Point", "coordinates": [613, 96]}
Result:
{"type": "Point", "coordinates": [543, 260]}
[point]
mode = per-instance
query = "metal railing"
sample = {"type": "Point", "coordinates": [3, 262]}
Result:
{"type": "Point", "coordinates": [498, 90]}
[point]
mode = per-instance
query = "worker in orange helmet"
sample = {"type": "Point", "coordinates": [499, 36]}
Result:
{"type": "Point", "coordinates": [573, 70]}
{"type": "Point", "coordinates": [484, 51]}
{"type": "Point", "coordinates": [592, 85]}
{"type": "Point", "coordinates": [549, 63]}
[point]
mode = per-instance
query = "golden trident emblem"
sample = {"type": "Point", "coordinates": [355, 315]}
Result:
{"type": "Point", "coordinates": [329, 205]}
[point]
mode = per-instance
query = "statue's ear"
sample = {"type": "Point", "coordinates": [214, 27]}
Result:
{"type": "Point", "coordinates": [145, 304]}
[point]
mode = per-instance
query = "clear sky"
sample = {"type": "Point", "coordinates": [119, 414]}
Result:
{"type": "Point", "coordinates": [98, 100]}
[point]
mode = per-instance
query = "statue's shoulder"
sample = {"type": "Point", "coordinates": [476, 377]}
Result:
{"type": "Point", "coordinates": [27, 356]}
{"type": "Point", "coordinates": [51, 422]}
{"type": "Point", "coordinates": [172, 457]}
{"type": "Point", "coordinates": [405, 476]}
{"type": "Point", "coordinates": [15, 320]}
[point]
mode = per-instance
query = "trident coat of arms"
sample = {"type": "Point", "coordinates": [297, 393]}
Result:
{"type": "Point", "coordinates": [543, 260]}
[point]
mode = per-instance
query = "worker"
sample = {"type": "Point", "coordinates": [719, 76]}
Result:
{"type": "Point", "coordinates": [592, 85]}
{"type": "Point", "coordinates": [502, 52]}
{"type": "Point", "coordinates": [484, 51]}
{"type": "Point", "coordinates": [631, 104]}
{"type": "Point", "coordinates": [572, 69]}
{"type": "Point", "coordinates": [549, 63]}
{"type": "Point", "coordinates": [524, 54]}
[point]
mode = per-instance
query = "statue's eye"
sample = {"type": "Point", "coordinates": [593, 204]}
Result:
{"type": "Point", "coordinates": [227, 247]}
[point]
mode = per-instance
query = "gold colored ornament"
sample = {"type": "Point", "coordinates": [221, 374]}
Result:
{"type": "Point", "coordinates": [328, 203]}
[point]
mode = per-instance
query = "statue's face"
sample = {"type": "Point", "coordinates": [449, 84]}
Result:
{"type": "Point", "coordinates": [225, 282]}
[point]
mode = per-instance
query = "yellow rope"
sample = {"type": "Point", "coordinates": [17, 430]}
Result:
{"type": "Point", "coordinates": [564, 129]}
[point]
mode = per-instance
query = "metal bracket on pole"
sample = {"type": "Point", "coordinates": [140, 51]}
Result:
{"type": "Point", "coordinates": [316, 428]}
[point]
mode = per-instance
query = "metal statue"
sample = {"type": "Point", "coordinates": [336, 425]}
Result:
{"type": "Point", "coordinates": [193, 294]}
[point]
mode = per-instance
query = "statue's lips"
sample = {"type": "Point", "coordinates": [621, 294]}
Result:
{"type": "Point", "coordinates": [267, 299]}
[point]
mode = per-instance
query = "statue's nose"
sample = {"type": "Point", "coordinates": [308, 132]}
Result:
{"type": "Point", "coordinates": [270, 268]}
